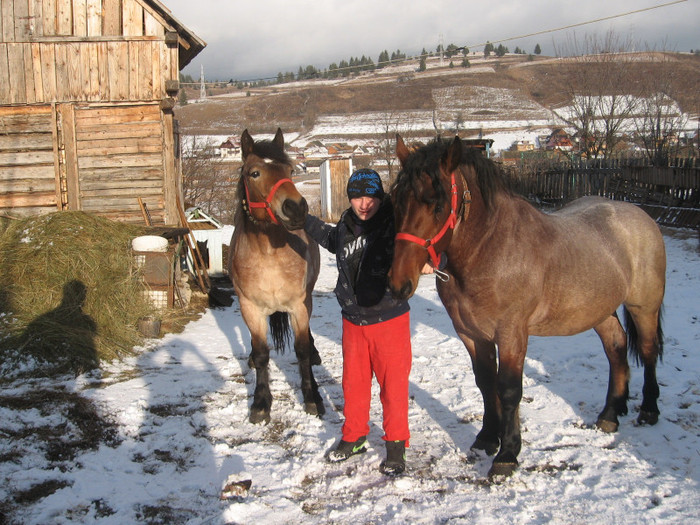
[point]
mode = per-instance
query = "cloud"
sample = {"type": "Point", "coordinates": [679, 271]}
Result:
{"type": "Point", "coordinates": [248, 40]}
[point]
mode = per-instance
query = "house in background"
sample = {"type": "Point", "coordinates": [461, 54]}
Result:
{"type": "Point", "coordinates": [86, 96]}
{"type": "Point", "coordinates": [559, 140]}
{"type": "Point", "coordinates": [230, 149]}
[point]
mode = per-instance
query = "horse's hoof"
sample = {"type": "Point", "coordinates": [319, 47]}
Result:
{"type": "Point", "coordinates": [647, 418]}
{"type": "Point", "coordinates": [606, 426]}
{"type": "Point", "coordinates": [489, 447]}
{"type": "Point", "coordinates": [311, 409]}
{"type": "Point", "coordinates": [259, 416]}
{"type": "Point", "coordinates": [503, 469]}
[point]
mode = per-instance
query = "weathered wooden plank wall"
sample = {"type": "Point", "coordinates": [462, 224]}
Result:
{"type": "Point", "coordinates": [85, 119]}
{"type": "Point", "coordinates": [107, 158]}
{"type": "Point", "coordinates": [99, 71]}
{"type": "Point", "coordinates": [83, 50]}
{"type": "Point", "coordinates": [27, 154]}
{"type": "Point", "coordinates": [120, 158]}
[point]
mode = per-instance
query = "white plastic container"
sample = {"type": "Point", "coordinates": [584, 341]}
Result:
{"type": "Point", "coordinates": [150, 243]}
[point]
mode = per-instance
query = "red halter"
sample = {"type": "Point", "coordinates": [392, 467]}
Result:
{"type": "Point", "coordinates": [266, 203]}
{"type": "Point", "coordinates": [450, 223]}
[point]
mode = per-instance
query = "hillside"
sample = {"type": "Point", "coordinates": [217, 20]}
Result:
{"type": "Point", "coordinates": [513, 92]}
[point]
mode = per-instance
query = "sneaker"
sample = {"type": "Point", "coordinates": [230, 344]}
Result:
{"type": "Point", "coordinates": [345, 449]}
{"type": "Point", "coordinates": [395, 463]}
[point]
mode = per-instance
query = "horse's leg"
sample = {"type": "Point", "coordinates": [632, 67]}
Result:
{"type": "Point", "coordinates": [304, 349]}
{"type": "Point", "coordinates": [483, 355]}
{"type": "Point", "coordinates": [259, 359]}
{"type": "Point", "coordinates": [315, 356]}
{"type": "Point", "coordinates": [646, 341]}
{"type": "Point", "coordinates": [511, 359]}
{"type": "Point", "coordinates": [614, 341]}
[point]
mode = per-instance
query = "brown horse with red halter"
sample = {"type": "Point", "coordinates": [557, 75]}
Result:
{"type": "Point", "coordinates": [274, 266]}
{"type": "Point", "coordinates": [515, 271]}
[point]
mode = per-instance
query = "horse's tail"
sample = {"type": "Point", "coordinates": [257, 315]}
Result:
{"type": "Point", "coordinates": [633, 336]}
{"type": "Point", "coordinates": [280, 330]}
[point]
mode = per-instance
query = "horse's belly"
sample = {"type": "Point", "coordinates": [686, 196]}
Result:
{"type": "Point", "coordinates": [575, 316]}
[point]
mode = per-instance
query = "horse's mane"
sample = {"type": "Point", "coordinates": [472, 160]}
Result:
{"type": "Point", "coordinates": [265, 149]}
{"type": "Point", "coordinates": [426, 159]}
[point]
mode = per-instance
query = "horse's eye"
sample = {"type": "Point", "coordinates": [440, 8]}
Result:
{"type": "Point", "coordinates": [254, 174]}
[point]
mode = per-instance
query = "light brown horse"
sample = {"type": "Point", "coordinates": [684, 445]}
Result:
{"type": "Point", "coordinates": [274, 266]}
{"type": "Point", "coordinates": [514, 271]}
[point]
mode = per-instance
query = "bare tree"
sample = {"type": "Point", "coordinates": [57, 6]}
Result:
{"type": "Point", "coordinates": [597, 73]}
{"type": "Point", "coordinates": [459, 122]}
{"type": "Point", "coordinates": [391, 123]}
{"type": "Point", "coordinates": [208, 181]}
{"type": "Point", "coordinates": [660, 120]}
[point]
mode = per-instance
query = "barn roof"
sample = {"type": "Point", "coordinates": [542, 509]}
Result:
{"type": "Point", "coordinates": [190, 44]}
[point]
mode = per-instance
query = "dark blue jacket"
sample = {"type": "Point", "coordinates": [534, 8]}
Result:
{"type": "Point", "coordinates": [363, 295]}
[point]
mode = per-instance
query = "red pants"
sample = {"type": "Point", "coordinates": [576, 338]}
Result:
{"type": "Point", "coordinates": [385, 350]}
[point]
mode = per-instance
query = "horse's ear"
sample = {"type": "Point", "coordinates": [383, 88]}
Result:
{"type": "Point", "coordinates": [246, 144]}
{"type": "Point", "coordinates": [453, 156]}
{"type": "Point", "coordinates": [279, 139]}
{"type": "Point", "coordinates": [402, 152]}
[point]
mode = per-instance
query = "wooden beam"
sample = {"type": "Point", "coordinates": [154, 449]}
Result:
{"type": "Point", "coordinates": [171, 179]}
{"type": "Point", "coordinates": [167, 104]}
{"type": "Point", "coordinates": [172, 87]}
{"type": "Point", "coordinates": [61, 198]}
{"type": "Point", "coordinates": [67, 112]}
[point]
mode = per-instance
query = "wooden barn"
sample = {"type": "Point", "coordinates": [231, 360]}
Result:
{"type": "Point", "coordinates": [87, 89]}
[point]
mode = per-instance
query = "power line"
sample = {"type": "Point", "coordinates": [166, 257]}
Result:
{"type": "Point", "coordinates": [571, 26]}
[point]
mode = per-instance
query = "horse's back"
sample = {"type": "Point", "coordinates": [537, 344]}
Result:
{"type": "Point", "coordinates": [635, 231]}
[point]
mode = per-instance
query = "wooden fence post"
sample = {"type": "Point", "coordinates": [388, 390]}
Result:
{"type": "Point", "coordinates": [334, 178]}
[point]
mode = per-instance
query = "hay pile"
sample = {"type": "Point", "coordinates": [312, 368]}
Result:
{"type": "Point", "coordinates": [69, 297]}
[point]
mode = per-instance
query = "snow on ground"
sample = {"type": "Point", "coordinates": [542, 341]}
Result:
{"type": "Point", "coordinates": [180, 410]}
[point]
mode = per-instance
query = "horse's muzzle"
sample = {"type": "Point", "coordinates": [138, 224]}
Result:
{"type": "Point", "coordinates": [403, 293]}
{"type": "Point", "coordinates": [294, 214]}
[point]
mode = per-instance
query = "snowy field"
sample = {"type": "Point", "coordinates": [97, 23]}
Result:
{"type": "Point", "coordinates": [180, 413]}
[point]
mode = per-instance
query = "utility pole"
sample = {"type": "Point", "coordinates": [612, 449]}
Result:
{"type": "Point", "coordinates": [441, 49]}
{"type": "Point", "coordinates": [202, 87]}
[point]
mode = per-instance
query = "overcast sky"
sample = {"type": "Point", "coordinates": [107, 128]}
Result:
{"type": "Point", "coordinates": [255, 39]}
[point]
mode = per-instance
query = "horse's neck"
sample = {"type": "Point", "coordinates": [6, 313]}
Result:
{"type": "Point", "coordinates": [259, 232]}
{"type": "Point", "coordinates": [477, 222]}
{"type": "Point", "coordinates": [473, 208]}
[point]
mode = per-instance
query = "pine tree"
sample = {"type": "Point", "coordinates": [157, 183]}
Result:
{"type": "Point", "coordinates": [538, 50]}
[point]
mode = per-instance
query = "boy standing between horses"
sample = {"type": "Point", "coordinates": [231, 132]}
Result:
{"type": "Point", "coordinates": [376, 327]}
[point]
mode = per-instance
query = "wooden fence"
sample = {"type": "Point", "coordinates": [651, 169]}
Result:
{"type": "Point", "coordinates": [670, 194]}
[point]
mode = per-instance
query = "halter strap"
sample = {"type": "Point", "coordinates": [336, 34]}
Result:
{"type": "Point", "coordinates": [450, 223]}
{"type": "Point", "coordinates": [268, 201]}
